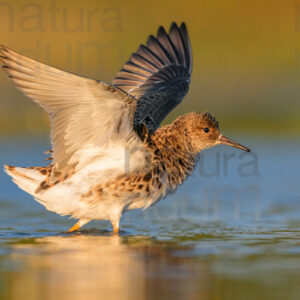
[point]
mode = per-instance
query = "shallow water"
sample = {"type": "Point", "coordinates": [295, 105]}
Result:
{"type": "Point", "coordinates": [230, 232]}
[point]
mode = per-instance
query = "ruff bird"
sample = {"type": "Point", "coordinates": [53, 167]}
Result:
{"type": "Point", "coordinates": [109, 154]}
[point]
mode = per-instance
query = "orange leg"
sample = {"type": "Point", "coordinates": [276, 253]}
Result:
{"type": "Point", "coordinates": [78, 225]}
{"type": "Point", "coordinates": [73, 228]}
{"type": "Point", "coordinates": [115, 229]}
{"type": "Point", "coordinates": [115, 225]}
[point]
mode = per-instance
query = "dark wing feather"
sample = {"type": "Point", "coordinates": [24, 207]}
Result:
{"type": "Point", "coordinates": [158, 75]}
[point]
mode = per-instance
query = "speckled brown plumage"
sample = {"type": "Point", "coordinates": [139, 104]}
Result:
{"type": "Point", "coordinates": [172, 160]}
{"type": "Point", "coordinates": [46, 172]}
{"type": "Point", "coordinates": [109, 154]}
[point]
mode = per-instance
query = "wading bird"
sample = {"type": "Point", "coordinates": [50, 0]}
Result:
{"type": "Point", "coordinates": [109, 154]}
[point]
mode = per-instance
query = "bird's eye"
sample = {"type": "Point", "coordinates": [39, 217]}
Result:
{"type": "Point", "coordinates": [206, 130]}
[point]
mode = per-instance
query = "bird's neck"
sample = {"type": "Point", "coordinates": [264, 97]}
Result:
{"type": "Point", "coordinates": [174, 138]}
{"type": "Point", "coordinates": [173, 154]}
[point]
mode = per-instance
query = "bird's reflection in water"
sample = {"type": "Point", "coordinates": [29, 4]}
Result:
{"type": "Point", "coordinates": [105, 266]}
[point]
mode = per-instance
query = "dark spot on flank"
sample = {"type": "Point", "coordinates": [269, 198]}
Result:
{"type": "Point", "coordinates": [147, 176]}
{"type": "Point", "coordinates": [156, 170]}
{"type": "Point", "coordinates": [44, 172]}
{"type": "Point", "coordinates": [140, 186]}
{"type": "Point", "coordinates": [151, 144]}
{"type": "Point", "coordinates": [190, 169]}
{"type": "Point", "coordinates": [158, 154]}
{"type": "Point", "coordinates": [138, 178]}
{"type": "Point", "coordinates": [100, 191]}
{"type": "Point", "coordinates": [45, 186]}
{"type": "Point", "coordinates": [181, 162]}
{"type": "Point", "coordinates": [119, 124]}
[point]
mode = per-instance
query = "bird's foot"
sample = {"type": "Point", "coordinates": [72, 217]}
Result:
{"type": "Point", "coordinates": [77, 225]}
{"type": "Point", "coordinates": [74, 228]}
{"type": "Point", "coordinates": [116, 229]}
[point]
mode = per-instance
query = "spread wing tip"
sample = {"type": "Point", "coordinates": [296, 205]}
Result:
{"type": "Point", "coordinates": [3, 56]}
{"type": "Point", "coordinates": [173, 25]}
{"type": "Point", "coordinates": [166, 49]}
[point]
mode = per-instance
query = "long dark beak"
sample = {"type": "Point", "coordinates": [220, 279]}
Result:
{"type": "Point", "coordinates": [226, 141]}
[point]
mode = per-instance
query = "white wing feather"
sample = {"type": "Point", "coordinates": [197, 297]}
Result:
{"type": "Point", "coordinates": [86, 115]}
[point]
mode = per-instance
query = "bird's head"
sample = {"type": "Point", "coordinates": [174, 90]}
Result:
{"type": "Point", "coordinates": [203, 131]}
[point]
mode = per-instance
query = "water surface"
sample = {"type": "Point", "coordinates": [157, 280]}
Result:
{"type": "Point", "coordinates": [230, 232]}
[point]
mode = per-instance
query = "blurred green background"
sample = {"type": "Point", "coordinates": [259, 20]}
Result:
{"type": "Point", "coordinates": [223, 234]}
{"type": "Point", "coordinates": [246, 55]}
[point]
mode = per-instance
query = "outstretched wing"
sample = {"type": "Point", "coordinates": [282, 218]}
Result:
{"type": "Point", "coordinates": [158, 75]}
{"type": "Point", "coordinates": [84, 113]}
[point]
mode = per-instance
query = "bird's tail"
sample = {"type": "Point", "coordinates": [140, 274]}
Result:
{"type": "Point", "coordinates": [28, 179]}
